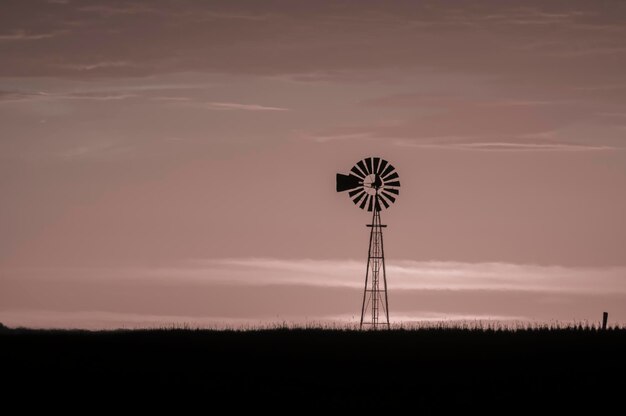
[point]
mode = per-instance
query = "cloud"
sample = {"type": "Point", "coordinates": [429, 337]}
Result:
{"type": "Point", "coordinates": [403, 274]}
{"type": "Point", "coordinates": [126, 9]}
{"type": "Point", "coordinates": [601, 87]}
{"type": "Point", "coordinates": [335, 137]}
{"type": "Point", "coordinates": [174, 99]}
{"type": "Point", "coordinates": [421, 99]}
{"type": "Point", "coordinates": [244, 107]}
{"type": "Point", "coordinates": [137, 86]}
{"type": "Point", "coordinates": [94, 149]}
{"type": "Point", "coordinates": [607, 50]}
{"type": "Point", "coordinates": [97, 97]}
{"type": "Point", "coordinates": [22, 35]}
{"type": "Point", "coordinates": [478, 121]}
{"type": "Point", "coordinates": [97, 65]}
{"type": "Point", "coordinates": [223, 106]}
{"type": "Point", "coordinates": [471, 143]}
{"type": "Point", "coordinates": [408, 274]}
{"type": "Point", "coordinates": [215, 15]}
{"type": "Point", "coordinates": [541, 141]}
{"type": "Point", "coordinates": [505, 146]}
{"type": "Point", "coordinates": [318, 38]}
{"type": "Point", "coordinates": [29, 96]}
{"type": "Point", "coordinates": [145, 92]}
{"type": "Point", "coordinates": [252, 291]}
{"type": "Point", "coordinates": [100, 92]}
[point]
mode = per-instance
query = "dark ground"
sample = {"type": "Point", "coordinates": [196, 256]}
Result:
{"type": "Point", "coordinates": [421, 371]}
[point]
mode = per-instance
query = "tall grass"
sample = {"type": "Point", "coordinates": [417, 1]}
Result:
{"type": "Point", "coordinates": [314, 326]}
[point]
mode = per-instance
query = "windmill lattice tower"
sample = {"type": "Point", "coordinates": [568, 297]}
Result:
{"type": "Point", "coordinates": [372, 184]}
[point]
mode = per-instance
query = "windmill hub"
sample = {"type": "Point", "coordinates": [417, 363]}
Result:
{"type": "Point", "coordinates": [373, 184]}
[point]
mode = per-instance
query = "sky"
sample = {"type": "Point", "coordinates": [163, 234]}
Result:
{"type": "Point", "coordinates": [173, 162]}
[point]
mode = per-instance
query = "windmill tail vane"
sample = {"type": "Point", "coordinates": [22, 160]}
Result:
{"type": "Point", "coordinates": [373, 184]}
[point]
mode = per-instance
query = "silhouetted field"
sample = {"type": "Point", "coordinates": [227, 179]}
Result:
{"type": "Point", "coordinates": [428, 370]}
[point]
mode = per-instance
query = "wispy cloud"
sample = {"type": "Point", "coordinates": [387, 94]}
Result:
{"type": "Point", "coordinates": [601, 87]}
{"type": "Point", "coordinates": [216, 15]}
{"type": "Point", "coordinates": [22, 35]}
{"type": "Point", "coordinates": [220, 106]}
{"type": "Point", "coordinates": [98, 97]}
{"type": "Point", "coordinates": [94, 149]}
{"type": "Point", "coordinates": [255, 290]}
{"type": "Point", "coordinates": [546, 141]}
{"type": "Point", "coordinates": [476, 122]}
{"type": "Point", "coordinates": [403, 274]}
{"type": "Point", "coordinates": [335, 137]}
{"type": "Point", "coordinates": [244, 107]}
{"type": "Point", "coordinates": [452, 101]}
{"type": "Point", "coordinates": [173, 99]}
{"type": "Point", "coordinates": [504, 146]}
{"type": "Point", "coordinates": [27, 96]}
{"type": "Point", "coordinates": [408, 274]}
{"type": "Point", "coordinates": [148, 89]}
{"type": "Point", "coordinates": [125, 9]}
{"type": "Point", "coordinates": [106, 92]}
{"type": "Point", "coordinates": [98, 65]}
{"type": "Point", "coordinates": [592, 51]}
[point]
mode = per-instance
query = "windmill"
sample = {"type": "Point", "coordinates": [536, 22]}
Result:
{"type": "Point", "coordinates": [372, 184]}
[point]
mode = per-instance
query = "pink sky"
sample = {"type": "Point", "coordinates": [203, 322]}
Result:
{"type": "Point", "coordinates": [166, 162]}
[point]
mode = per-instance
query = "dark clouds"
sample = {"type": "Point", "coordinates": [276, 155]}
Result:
{"type": "Point", "coordinates": [539, 66]}
{"type": "Point", "coordinates": [531, 42]}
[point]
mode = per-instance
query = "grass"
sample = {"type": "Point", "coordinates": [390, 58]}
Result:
{"type": "Point", "coordinates": [432, 368]}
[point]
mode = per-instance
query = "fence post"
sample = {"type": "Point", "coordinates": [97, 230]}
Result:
{"type": "Point", "coordinates": [605, 318]}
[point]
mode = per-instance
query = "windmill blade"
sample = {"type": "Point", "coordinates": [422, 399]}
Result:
{"type": "Point", "coordinates": [376, 164]}
{"type": "Point", "coordinates": [369, 165]}
{"type": "Point", "coordinates": [383, 164]}
{"type": "Point", "coordinates": [394, 175]}
{"type": "Point", "coordinates": [386, 200]}
{"type": "Point", "coordinates": [357, 172]}
{"type": "Point", "coordinates": [396, 183]}
{"type": "Point", "coordinates": [385, 203]}
{"type": "Point", "coordinates": [346, 182]}
{"type": "Point", "coordinates": [389, 196]}
{"type": "Point", "coordinates": [388, 170]}
{"type": "Point", "coordinates": [355, 191]}
{"type": "Point", "coordinates": [358, 197]}
{"type": "Point", "coordinates": [362, 206]}
{"type": "Point", "coordinates": [369, 205]}
{"type": "Point", "coordinates": [361, 165]}
{"type": "Point", "coordinates": [393, 191]}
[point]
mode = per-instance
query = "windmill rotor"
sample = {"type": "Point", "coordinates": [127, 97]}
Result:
{"type": "Point", "coordinates": [372, 184]}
